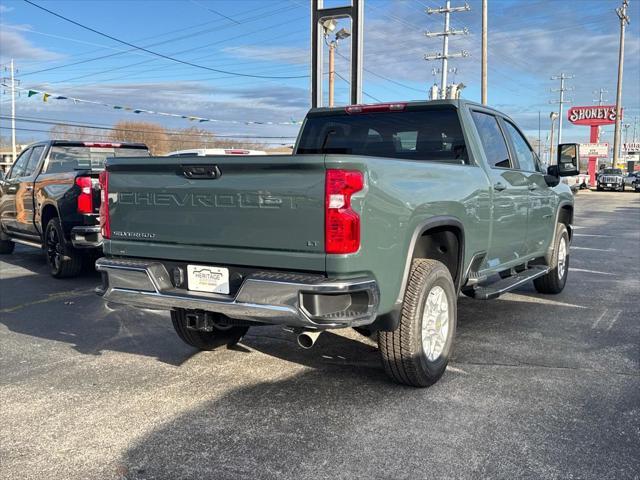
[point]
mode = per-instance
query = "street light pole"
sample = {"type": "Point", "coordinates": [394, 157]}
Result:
{"type": "Point", "coordinates": [624, 20]}
{"type": "Point", "coordinates": [332, 71]}
{"type": "Point", "coordinates": [553, 117]}
{"type": "Point", "coordinates": [13, 112]}
{"type": "Point", "coordinates": [484, 53]}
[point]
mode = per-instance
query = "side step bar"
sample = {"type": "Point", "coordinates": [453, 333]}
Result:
{"type": "Point", "coordinates": [494, 290]}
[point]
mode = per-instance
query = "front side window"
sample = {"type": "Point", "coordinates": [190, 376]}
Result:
{"type": "Point", "coordinates": [523, 152]}
{"type": "Point", "coordinates": [20, 165]}
{"type": "Point", "coordinates": [493, 142]}
{"type": "Point", "coordinates": [64, 158]}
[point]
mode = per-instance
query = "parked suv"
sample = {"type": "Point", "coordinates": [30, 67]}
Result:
{"type": "Point", "coordinates": [611, 179]}
{"type": "Point", "coordinates": [633, 180]}
{"type": "Point", "coordinates": [50, 199]}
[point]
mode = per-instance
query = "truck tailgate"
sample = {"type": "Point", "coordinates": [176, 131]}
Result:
{"type": "Point", "coordinates": [228, 210]}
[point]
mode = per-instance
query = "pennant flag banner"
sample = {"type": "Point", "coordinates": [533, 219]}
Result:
{"type": "Point", "coordinates": [46, 96]}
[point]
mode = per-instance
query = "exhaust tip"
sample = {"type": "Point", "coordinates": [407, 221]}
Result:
{"type": "Point", "coordinates": [308, 339]}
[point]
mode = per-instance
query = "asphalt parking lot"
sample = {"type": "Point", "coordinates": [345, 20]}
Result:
{"type": "Point", "coordinates": [539, 387]}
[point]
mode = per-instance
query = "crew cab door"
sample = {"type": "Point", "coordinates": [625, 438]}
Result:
{"type": "Point", "coordinates": [540, 218]}
{"type": "Point", "coordinates": [510, 194]}
{"type": "Point", "coordinates": [13, 191]}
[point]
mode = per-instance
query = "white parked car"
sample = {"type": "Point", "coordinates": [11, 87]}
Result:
{"type": "Point", "coordinates": [203, 152]}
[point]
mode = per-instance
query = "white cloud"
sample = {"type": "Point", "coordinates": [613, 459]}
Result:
{"type": "Point", "coordinates": [15, 45]}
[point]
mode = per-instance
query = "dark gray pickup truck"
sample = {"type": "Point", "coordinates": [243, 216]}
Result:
{"type": "Point", "coordinates": [382, 215]}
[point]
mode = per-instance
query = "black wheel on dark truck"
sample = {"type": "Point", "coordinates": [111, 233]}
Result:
{"type": "Point", "coordinates": [63, 260]}
{"type": "Point", "coordinates": [220, 335]}
{"type": "Point", "coordinates": [418, 351]}
{"type": "Point", "coordinates": [555, 280]}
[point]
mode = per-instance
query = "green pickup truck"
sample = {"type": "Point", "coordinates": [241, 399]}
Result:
{"type": "Point", "coordinates": [380, 218]}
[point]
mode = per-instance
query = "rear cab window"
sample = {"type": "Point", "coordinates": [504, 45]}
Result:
{"type": "Point", "coordinates": [64, 158]}
{"type": "Point", "coordinates": [426, 134]}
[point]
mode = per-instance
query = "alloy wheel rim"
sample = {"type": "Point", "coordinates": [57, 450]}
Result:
{"type": "Point", "coordinates": [562, 258]}
{"type": "Point", "coordinates": [435, 323]}
{"type": "Point", "coordinates": [54, 248]}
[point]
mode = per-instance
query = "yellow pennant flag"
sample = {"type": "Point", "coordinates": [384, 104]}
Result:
{"type": "Point", "coordinates": [45, 97]}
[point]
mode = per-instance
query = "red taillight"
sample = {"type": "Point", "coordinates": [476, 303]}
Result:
{"type": "Point", "coordinates": [85, 199]}
{"type": "Point", "coordinates": [376, 108]}
{"type": "Point", "coordinates": [102, 144]}
{"type": "Point", "coordinates": [105, 226]}
{"type": "Point", "coordinates": [342, 224]}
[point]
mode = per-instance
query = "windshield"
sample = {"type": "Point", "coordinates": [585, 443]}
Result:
{"type": "Point", "coordinates": [612, 171]}
{"type": "Point", "coordinates": [433, 135]}
{"type": "Point", "coordinates": [63, 158]}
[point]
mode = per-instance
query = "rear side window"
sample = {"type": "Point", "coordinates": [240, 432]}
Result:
{"type": "Point", "coordinates": [428, 135]}
{"type": "Point", "coordinates": [493, 142]}
{"type": "Point", "coordinates": [34, 160]}
{"type": "Point", "coordinates": [63, 158]}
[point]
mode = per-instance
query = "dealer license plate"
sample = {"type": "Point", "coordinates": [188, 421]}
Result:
{"type": "Point", "coordinates": [204, 278]}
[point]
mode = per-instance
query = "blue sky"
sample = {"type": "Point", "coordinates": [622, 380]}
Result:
{"type": "Point", "coordinates": [528, 42]}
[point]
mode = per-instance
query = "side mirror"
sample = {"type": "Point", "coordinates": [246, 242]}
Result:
{"type": "Point", "coordinates": [568, 154]}
{"type": "Point", "coordinates": [552, 178]}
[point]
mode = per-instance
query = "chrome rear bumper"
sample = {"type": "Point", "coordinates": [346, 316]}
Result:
{"type": "Point", "coordinates": [268, 297]}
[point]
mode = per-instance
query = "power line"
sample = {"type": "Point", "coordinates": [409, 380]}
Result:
{"type": "Point", "coordinates": [166, 57]}
{"type": "Point", "coordinates": [183, 133]}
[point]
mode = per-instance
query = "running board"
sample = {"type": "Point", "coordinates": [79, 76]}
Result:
{"type": "Point", "coordinates": [28, 243]}
{"type": "Point", "coordinates": [494, 290]}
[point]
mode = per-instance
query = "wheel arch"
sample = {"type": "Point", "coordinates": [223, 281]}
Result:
{"type": "Point", "coordinates": [427, 241]}
{"type": "Point", "coordinates": [48, 212]}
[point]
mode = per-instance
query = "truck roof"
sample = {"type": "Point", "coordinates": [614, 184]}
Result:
{"type": "Point", "coordinates": [457, 103]}
{"type": "Point", "coordinates": [81, 143]}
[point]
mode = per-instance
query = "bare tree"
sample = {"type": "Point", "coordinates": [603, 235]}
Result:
{"type": "Point", "coordinates": [151, 134]}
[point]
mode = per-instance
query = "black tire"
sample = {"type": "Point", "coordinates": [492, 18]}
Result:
{"type": "Point", "coordinates": [599, 188]}
{"type": "Point", "coordinates": [622, 188]}
{"type": "Point", "coordinates": [554, 281]}
{"type": "Point", "coordinates": [403, 350]}
{"type": "Point", "coordinates": [6, 247]}
{"type": "Point", "coordinates": [205, 340]}
{"type": "Point", "coordinates": [63, 260]}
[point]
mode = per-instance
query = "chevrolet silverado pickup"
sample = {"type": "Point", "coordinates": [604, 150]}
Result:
{"type": "Point", "coordinates": [50, 199]}
{"type": "Point", "coordinates": [380, 218]}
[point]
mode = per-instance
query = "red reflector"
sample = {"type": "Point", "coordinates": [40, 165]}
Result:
{"type": "Point", "coordinates": [105, 225]}
{"type": "Point", "coordinates": [342, 224]}
{"type": "Point", "coordinates": [380, 107]}
{"type": "Point", "coordinates": [102, 145]}
{"type": "Point", "coordinates": [85, 199]}
{"type": "Point", "coordinates": [237, 152]}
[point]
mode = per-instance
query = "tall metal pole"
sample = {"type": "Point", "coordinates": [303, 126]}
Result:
{"type": "Point", "coordinates": [624, 20]}
{"type": "Point", "coordinates": [484, 55]}
{"type": "Point", "coordinates": [553, 117]}
{"type": "Point", "coordinates": [332, 71]}
{"type": "Point", "coordinates": [445, 51]}
{"type": "Point", "coordinates": [13, 113]}
{"type": "Point", "coordinates": [562, 77]}
{"type": "Point", "coordinates": [539, 130]}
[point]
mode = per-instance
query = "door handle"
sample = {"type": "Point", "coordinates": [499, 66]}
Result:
{"type": "Point", "coordinates": [12, 189]}
{"type": "Point", "coordinates": [29, 188]}
{"type": "Point", "coordinates": [533, 186]}
{"type": "Point", "coordinates": [499, 186]}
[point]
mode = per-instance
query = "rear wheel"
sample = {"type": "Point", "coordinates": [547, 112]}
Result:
{"type": "Point", "coordinates": [6, 247]}
{"type": "Point", "coordinates": [418, 351]}
{"type": "Point", "coordinates": [220, 335]}
{"type": "Point", "coordinates": [63, 260]}
{"type": "Point", "coordinates": [555, 280]}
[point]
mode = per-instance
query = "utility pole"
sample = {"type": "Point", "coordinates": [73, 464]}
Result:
{"type": "Point", "coordinates": [600, 94]}
{"type": "Point", "coordinates": [553, 117]}
{"type": "Point", "coordinates": [13, 112]}
{"type": "Point", "coordinates": [447, 10]}
{"type": "Point", "coordinates": [624, 20]}
{"type": "Point", "coordinates": [484, 57]}
{"type": "Point", "coordinates": [562, 77]}
{"type": "Point", "coordinates": [539, 130]}
{"type": "Point", "coordinates": [332, 72]}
